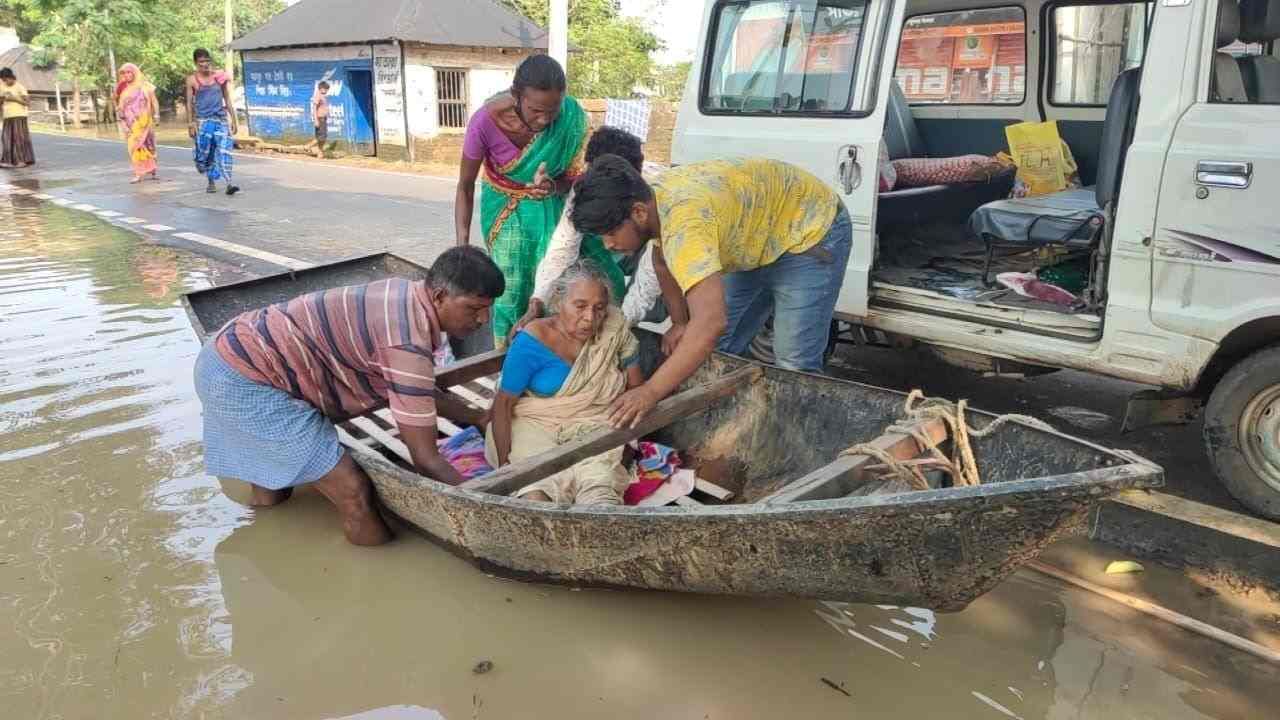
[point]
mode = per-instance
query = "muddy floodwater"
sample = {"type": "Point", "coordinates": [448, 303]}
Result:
{"type": "Point", "coordinates": [132, 586]}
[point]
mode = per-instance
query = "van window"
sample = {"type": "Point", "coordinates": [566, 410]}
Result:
{"type": "Point", "coordinates": [971, 57]}
{"type": "Point", "coordinates": [783, 57]}
{"type": "Point", "coordinates": [1092, 44]}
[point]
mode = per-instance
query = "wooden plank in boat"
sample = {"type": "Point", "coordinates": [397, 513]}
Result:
{"type": "Point", "coordinates": [472, 368]}
{"type": "Point", "coordinates": [712, 489]}
{"type": "Point", "coordinates": [471, 396]}
{"type": "Point", "coordinates": [488, 383]}
{"type": "Point", "coordinates": [512, 477]}
{"type": "Point", "coordinates": [375, 431]}
{"type": "Point", "coordinates": [687, 501]}
{"type": "Point", "coordinates": [351, 441]}
{"type": "Point", "coordinates": [841, 477]}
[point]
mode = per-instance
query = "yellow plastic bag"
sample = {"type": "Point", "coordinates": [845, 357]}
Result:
{"type": "Point", "coordinates": [1044, 161]}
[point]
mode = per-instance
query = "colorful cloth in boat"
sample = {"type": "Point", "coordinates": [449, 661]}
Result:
{"type": "Point", "coordinates": [465, 452]}
{"type": "Point", "coordinates": [260, 434]}
{"type": "Point", "coordinates": [655, 464]}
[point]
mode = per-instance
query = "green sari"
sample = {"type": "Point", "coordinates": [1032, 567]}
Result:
{"type": "Point", "coordinates": [517, 228]}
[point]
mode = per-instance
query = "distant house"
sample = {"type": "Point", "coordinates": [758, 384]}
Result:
{"type": "Point", "coordinates": [41, 83]}
{"type": "Point", "coordinates": [401, 73]}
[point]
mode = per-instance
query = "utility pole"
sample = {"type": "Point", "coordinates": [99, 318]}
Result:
{"type": "Point", "coordinates": [229, 34]}
{"type": "Point", "coordinates": [115, 74]}
{"type": "Point", "coordinates": [558, 33]}
{"type": "Point", "coordinates": [111, 50]}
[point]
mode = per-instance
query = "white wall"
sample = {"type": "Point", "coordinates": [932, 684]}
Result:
{"type": "Point", "coordinates": [420, 98]}
{"type": "Point", "coordinates": [489, 71]}
{"type": "Point", "coordinates": [8, 39]}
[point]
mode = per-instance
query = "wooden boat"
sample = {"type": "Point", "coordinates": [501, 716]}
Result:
{"type": "Point", "coordinates": [787, 515]}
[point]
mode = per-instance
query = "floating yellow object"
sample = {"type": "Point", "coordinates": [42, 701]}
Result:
{"type": "Point", "coordinates": [1120, 567]}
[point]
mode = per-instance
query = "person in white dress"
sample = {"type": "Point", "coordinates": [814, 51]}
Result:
{"type": "Point", "coordinates": [566, 242]}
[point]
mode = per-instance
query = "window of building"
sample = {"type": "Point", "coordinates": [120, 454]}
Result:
{"type": "Point", "coordinates": [451, 99]}
{"type": "Point", "coordinates": [970, 57]}
{"type": "Point", "coordinates": [779, 57]}
{"type": "Point", "coordinates": [1092, 44]}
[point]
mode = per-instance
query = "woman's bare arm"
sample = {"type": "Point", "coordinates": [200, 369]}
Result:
{"type": "Point", "coordinates": [635, 376]}
{"type": "Point", "coordinates": [503, 406]}
{"type": "Point", "coordinates": [464, 202]}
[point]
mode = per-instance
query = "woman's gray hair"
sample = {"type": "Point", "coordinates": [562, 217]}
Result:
{"type": "Point", "coordinates": [578, 271]}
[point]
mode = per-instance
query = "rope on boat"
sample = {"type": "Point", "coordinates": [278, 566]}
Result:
{"type": "Point", "coordinates": [962, 465]}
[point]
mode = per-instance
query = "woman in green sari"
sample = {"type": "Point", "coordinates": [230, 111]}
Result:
{"type": "Point", "coordinates": [529, 143]}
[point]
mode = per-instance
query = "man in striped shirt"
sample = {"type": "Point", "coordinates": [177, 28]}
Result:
{"type": "Point", "coordinates": [273, 382]}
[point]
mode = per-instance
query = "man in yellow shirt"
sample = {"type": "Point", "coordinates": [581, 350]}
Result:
{"type": "Point", "coordinates": [740, 238]}
{"type": "Point", "coordinates": [15, 137]}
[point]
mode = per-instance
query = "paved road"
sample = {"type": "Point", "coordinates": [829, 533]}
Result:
{"type": "Point", "coordinates": [308, 210]}
{"type": "Point", "coordinates": [318, 212]}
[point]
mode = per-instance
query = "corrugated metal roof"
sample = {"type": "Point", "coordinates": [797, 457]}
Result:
{"type": "Point", "coordinates": [476, 23]}
{"type": "Point", "coordinates": [34, 79]}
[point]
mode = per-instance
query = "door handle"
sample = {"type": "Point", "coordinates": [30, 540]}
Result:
{"type": "Point", "coordinates": [849, 170]}
{"type": "Point", "coordinates": [1226, 174]}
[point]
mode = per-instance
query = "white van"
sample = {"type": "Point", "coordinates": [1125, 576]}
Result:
{"type": "Point", "coordinates": [1171, 110]}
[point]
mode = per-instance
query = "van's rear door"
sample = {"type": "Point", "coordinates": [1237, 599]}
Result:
{"type": "Point", "coordinates": [805, 81]}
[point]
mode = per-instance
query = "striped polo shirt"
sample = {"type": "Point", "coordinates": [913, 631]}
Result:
{"type": "Point", "coordinates": [345, 351]}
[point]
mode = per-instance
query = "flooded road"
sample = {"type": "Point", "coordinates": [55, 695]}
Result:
{"type": "Point", "coordinates": [132, 587]}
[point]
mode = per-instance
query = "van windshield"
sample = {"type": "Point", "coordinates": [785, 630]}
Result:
{"type": "Point", "coordinates": [784, 56]}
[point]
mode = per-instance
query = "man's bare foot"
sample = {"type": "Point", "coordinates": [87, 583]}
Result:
{"type": "Point", "coordinates": [262, 497]}
{"type": "Point", "coordinates": [351, 492]}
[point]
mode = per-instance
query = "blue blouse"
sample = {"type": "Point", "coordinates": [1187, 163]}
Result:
{"type": "Point", "coordinates": [532, 366]}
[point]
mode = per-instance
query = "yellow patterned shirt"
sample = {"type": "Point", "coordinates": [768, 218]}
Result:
{"type": "Point", "coordinates": [742, 214]}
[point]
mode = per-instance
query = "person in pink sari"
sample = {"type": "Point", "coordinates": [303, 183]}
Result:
{"type": "Point", "coordinates": [137, 109]}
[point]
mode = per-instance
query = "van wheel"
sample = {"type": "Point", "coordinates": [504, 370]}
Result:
{"type": "Point", "coordinates": [1242, 432]}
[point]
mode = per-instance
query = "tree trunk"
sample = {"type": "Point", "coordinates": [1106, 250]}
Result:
{"type": "Point", "coordinates": [75, 103]}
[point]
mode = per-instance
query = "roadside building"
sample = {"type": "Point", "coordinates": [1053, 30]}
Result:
{"type": "Point", "coordinates": [402, 74]}
{"type": "Point", "coordinates": [41, 82]}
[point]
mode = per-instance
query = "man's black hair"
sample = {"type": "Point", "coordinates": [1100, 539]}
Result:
{"type": "Point", "coordinates": [539, 72]}
{"type": "Point", "coordinates": [604, 196]}
{"type": "Point", "coordinates": [7, 74]}
{"type": "Point", "coordinates": [323, 84]}
{"type": "Point", "coordinates": [466, 271]}
{"type": "Point", "coordinates": [609, 140]}
{"type": "Point", "coordinates": [200, 53]}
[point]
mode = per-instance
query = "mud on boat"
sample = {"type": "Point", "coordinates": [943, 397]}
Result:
{"type": "Point", "coordinates": [787, 511]}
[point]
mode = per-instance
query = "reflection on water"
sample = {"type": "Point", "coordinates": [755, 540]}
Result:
{"type": "Point", "coordinates": [132, 587]}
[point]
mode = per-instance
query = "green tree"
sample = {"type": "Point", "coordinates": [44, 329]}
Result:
{"type": "Point", "coordinates": [21, 15]}
{"type": "Point", "coordinates": [613, 53]}
{"type": "Point", "coordinates": [158, 35]}
{"type": "Point", "coordinates": [669, 80]}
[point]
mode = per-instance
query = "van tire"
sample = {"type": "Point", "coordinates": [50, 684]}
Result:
{"type": "Point", "coordinates": [1242, 413]}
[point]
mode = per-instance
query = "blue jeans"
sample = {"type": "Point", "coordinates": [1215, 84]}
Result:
{"type": "Point", "coordinates": [800, 289]}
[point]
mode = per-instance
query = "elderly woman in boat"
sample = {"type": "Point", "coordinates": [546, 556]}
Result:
{"type": "Point", "coordinates": [559, 378]}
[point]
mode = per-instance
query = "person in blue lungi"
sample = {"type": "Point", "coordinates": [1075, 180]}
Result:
{"type": "Point", "coordinates": [211, 121]}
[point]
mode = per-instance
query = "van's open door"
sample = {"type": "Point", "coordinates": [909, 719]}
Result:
{"type": "Point", "coordinates": [805, 81]}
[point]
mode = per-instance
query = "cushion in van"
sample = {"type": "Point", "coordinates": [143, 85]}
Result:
{"type": "Point", "coordinates": [919, 172]}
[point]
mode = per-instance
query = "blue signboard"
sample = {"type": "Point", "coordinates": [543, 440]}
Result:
{"type": "Point", "coordinates": [278, 98]}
